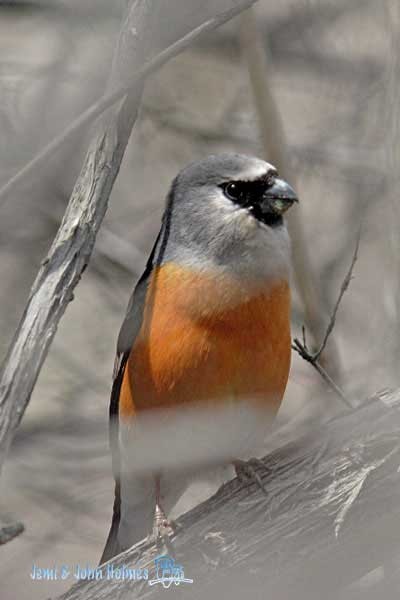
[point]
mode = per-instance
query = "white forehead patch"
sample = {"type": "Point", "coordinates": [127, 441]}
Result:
{"type": "Point", "coordinates": [254, 171]}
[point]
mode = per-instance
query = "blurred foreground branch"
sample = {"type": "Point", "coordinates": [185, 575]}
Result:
{"type": "Point", "coordinates": [318, 534]}
{"type": "Point", "coordinates": [313, 358]}
{"type": "Point", "coordinates": [275, 150]}
{"type": "Point", "coordinates": [73, 244]}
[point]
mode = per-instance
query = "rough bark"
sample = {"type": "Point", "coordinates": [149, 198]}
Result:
{"type": "Point", "coordinates": [329, 528]}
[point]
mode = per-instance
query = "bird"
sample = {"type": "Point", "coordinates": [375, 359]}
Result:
{"type": "Point", "coordinates": [207, 325]}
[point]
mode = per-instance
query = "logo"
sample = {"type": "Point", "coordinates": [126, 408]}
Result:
{"type": "Point", "coordinates": [168, 572]}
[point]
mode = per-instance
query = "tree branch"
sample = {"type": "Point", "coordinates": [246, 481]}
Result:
{"type": "Point", "coordinates": [301, 347]}
{"type": "Point", "coordinates": [344, 286]}
{"type": "Point", "coordinates": [317, 534]}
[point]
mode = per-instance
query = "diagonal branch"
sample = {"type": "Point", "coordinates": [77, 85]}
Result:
{"type": "Point", "coordinates": [309, 539]}
{"type": "Point", "coordinates": [344, 286]}
{"type": "Point", "coordinates": [301, 347]}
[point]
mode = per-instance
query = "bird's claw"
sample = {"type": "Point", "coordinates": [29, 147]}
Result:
{"type": "Point", "coordinates": [246, 472]}
{"type": "Point", "coordinates": [163, 528]}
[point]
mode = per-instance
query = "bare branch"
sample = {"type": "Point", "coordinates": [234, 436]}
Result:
{"type": "Point", "coordinates": [344, 286]}
{"type": "Point", "coordinates": [313, 357]}
{"type": "Point", "coordinates": [317, 532]}
{"type": "Point", "coordinates": [308, 357]}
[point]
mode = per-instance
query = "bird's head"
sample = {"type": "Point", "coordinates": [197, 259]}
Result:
{"type": "Point", "coordinates": [229, 209]}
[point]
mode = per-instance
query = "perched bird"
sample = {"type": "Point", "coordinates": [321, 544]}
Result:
{"type": "Point", "coordinates": [208, 325]}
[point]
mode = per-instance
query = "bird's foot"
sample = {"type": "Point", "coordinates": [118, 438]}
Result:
{"type": "Point", "coordinates": [163, 528]}
{"type": "Point", "coordinates": [246, 472]}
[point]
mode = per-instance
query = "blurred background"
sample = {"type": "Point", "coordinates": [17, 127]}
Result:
{"type": "Point", "coordinates": [334, 73]}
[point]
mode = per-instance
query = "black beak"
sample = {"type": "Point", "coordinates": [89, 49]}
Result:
{"type": "Point", "coordinates": [278, 197]}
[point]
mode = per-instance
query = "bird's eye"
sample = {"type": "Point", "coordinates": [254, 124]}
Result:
{"type": "Point", "coordinates": [233, 191]}
{"type": "Point", "coordinates": [270, 180]}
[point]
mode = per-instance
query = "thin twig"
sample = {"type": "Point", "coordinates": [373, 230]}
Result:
{"type": "Point", "coordinates": [313, 357]}
{"type": "Point", "coordinates": [345, 285]}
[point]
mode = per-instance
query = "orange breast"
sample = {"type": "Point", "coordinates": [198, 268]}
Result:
{"type": "Point", "coordinates": [207, 339]}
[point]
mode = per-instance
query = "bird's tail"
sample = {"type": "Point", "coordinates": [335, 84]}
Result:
{"type": "Point", "coordinates": [112, 547]}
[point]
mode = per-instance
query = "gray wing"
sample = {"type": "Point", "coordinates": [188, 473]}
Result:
{"type": "Point", "coordinates": [129, 330]}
